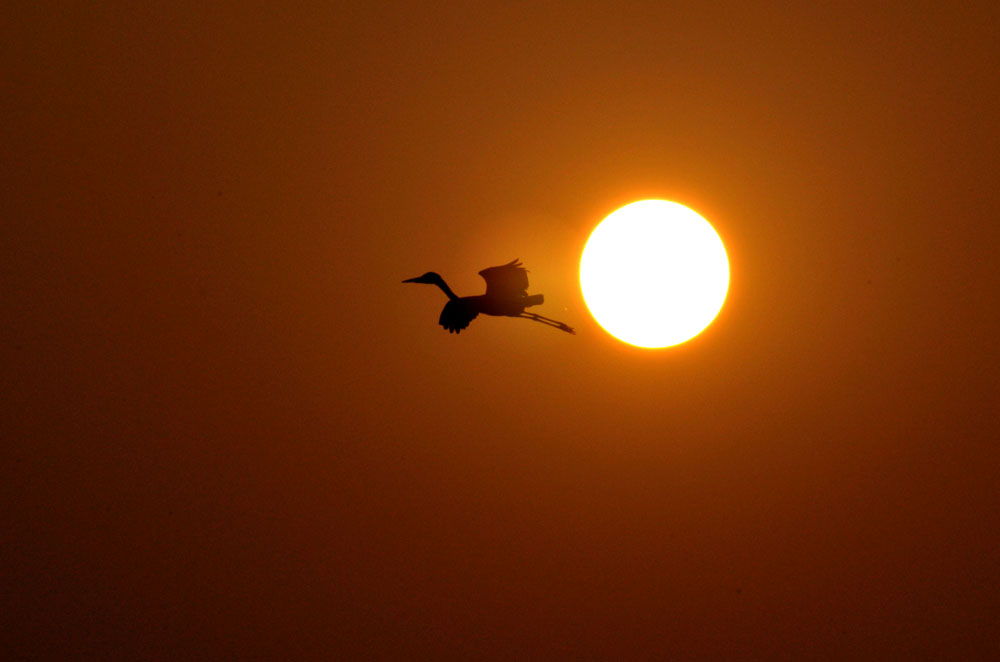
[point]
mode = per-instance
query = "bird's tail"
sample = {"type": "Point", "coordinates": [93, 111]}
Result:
{"type": "Point", "coordinates": [534, 300]}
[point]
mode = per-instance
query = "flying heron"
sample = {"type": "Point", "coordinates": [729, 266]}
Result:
{"type": "Point", "coordinates": [506, 295]}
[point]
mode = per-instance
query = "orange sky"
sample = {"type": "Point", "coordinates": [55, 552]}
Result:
{"type": "Point", "coordinates": [231, 432]}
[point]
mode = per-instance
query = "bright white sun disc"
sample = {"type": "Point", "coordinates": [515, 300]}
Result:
{"type": "Point", "coordinates": [654, 273]}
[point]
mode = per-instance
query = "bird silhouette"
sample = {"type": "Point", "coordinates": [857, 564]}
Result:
{"type": "Point", "coordinates": [506, 296]}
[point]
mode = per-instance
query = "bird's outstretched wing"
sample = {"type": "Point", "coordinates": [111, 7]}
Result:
{"type": "Point", "coordinates": [456, 315]}
{"type": "Point", "coordinates": [506, 281]}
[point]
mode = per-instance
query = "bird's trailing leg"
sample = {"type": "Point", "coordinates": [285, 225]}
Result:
{"type": "Point", "coordinates": [548, 321]}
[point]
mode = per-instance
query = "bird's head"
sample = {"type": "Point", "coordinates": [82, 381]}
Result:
{"type": "Point", "coordinates": [430, 278]}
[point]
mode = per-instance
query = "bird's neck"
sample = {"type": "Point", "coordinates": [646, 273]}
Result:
{"type": "Point", "coordinates": [447, 290]}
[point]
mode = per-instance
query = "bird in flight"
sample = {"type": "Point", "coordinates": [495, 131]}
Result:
{"type": "Point", "coordinates": [506, 295]}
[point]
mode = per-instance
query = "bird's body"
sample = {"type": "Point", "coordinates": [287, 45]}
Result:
{"type": "Point", "coordinates": [506, 296]}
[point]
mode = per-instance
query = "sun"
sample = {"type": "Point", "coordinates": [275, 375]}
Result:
{"type": "Point", "coordinates": [654, 273]}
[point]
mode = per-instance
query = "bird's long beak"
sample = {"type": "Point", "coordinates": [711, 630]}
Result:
{"type": "Point", "coordinates": [412, 280]}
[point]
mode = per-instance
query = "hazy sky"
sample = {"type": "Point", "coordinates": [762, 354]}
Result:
{"type": "Point", "coordinates": [229, 431]}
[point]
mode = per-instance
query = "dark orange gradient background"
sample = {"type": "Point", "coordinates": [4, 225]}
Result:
{"type": "Point", "coordinates": [229, 432]}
